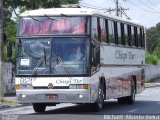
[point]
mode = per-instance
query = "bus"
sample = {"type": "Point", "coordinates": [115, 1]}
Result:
{"type": "Point", "coordinates": [78, 55]}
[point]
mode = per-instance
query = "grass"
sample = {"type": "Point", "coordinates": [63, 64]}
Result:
{"type": "Point", "coordinates": [151, 84]}
{"type": "Point", "coordinates": [8, 102]}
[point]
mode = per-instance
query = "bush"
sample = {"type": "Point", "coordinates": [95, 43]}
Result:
{"type": "Point", "coordinates": [151, 59]}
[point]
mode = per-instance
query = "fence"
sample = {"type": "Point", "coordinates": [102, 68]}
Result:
{"type": "Point", "coordinates": [8, 79]}
{"type": "Point", "coordinates": [152, 72]}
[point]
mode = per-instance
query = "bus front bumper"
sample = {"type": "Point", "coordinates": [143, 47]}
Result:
{"type": "Point", "coordinates": [54, 96]}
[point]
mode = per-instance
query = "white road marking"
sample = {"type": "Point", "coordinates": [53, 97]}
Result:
{"type": "Point", "coordinates": [133, 110]}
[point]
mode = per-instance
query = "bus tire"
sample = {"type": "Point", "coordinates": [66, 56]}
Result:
{"type": "Point", "coordinates": [131, 98]}
{"type": "Point", "coordinates": [39, 107]}
{"type": "Point", "coordinates": [98, 105]}
{"type": "Point", "coordinates": [121, 100]}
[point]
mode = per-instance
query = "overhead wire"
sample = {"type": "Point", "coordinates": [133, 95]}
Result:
{"type": "Point", "coordinates": [153, 4]}
{"type": "Point", "coordinates": [95, 7]}
{"type": "Point", "coordinates": [92, 6]}
{"type": "Point", "coordinates": [147, 5]}
{"type": "Point", "coordinates": [146, 10]}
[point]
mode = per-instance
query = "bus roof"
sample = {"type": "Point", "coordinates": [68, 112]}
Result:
{"type": "Point", "coordinates": [72, 12]}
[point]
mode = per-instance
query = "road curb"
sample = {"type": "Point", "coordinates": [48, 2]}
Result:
{"type": "Point", "coordinates": [2, 107]}
{"type": "Point", "coordinates": [157, 85]}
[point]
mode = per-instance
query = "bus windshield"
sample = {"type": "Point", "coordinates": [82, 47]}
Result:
{"type": "Point", "coordinates": [53, 56]}
{"type": "Point", "coordinates": [47, 25]}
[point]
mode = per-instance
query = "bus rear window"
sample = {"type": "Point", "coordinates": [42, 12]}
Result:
{"type": "Point", "coordinates": [53, 25]}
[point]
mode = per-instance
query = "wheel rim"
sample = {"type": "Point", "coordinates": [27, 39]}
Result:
{"type": "Point", "coordinates": [133, 92]}
{"type": "Point", "coordinates": [100, 98]}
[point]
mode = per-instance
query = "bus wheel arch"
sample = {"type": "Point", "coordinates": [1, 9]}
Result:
{"type": "Point", "coordinates": [131, 98]}
{"type": "Point", "coordinates": [102, 81]}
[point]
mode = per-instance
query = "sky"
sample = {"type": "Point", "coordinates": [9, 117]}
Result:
{"type": "Point", "coordinates": [146, 12]}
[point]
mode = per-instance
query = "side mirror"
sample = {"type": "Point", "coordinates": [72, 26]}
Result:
{"type": "Point", "coordinates": [92, 45]}
{"type": "Point", "coordinates": [9, 49]}
{"type": "Point", "coordinates": [4, 37]}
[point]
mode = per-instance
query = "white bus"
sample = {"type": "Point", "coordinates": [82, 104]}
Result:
{"type": "Point", "coordinates": [78, 55]}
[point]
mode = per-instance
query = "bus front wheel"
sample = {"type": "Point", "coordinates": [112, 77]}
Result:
{"type": "Point", "coordinates": [39, 107]}
{"type": "Point", "coordinates": [98, 105]}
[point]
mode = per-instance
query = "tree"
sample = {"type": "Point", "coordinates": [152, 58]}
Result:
{"type": "Point", "coordinates": [157, 49]}
{"type": "Point", "coordinates": [153, 37]}
{"type": "Point", "coordinates": [35, 4]}
{"type": "Point", "coordinates": [10, 6]}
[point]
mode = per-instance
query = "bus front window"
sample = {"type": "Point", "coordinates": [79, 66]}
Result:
{"type": "Point", "coordinates": [70, 56]}
{"type": "Point", "coordinates": [33, 56]}
{"type": "Point", "coordinates": [52, 56]}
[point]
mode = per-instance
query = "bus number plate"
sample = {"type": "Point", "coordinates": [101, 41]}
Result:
{"type": "Point", "coordinates": [52, 96]}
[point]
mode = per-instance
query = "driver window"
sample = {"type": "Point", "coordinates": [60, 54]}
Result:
{"type": "Point", "coordinates": [95, 57]}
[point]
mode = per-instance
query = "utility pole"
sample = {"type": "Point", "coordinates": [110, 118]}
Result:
{"type": "Point", "coordinates": [117, 8]}
{"type": "Point", "coordinates": [1, 49]}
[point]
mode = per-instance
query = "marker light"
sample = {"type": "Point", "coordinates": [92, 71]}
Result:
{"type": "Point", "coordinates": [80, 95]}
{"type": "Point", "coordinates": [23, 95]}
{"type": "Point", "coordinates": [17, 86]}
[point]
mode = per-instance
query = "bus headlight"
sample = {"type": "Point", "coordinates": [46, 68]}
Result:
{"type": "Point", "coordinates": [23, 86]}
{"type": "Point", "coordinates": [78, 86]}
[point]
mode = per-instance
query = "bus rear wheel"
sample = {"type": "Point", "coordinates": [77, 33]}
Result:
{"type": "Point", "coordinates": [129, 99]}
{"type": "Point", "coordinates": [39, 107]}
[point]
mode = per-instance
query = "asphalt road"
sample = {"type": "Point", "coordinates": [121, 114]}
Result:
{"type": "Point", "coordinates": [147, 103]}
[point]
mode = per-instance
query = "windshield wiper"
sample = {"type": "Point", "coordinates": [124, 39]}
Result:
{"type": "Point", "coordinates": [35, 19]}
{"type": "Point", "coordinates": [43, 57]}
{"type": "Point", "coordinates": [63, 65]}
{"type": "Point", "coordinates": [50, 17]}
{"type": "Point", "coordinates": [38, 64]}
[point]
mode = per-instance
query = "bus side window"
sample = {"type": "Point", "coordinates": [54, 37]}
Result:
{"type": "Point", "coordinates": [142, 37]}
{"type": "Point", "coordinates": [94, 28]}
{"type": "Point", "coordinates": [129, 36]}
{"type": "Point", "coordinates": [120, 30]}
{"type": "Point", "coordinates": [107, 32]}
{"type": "Point", "coordinates": [103, 30]}
{"type": "Point", "coordinates": [126, 38]}
{"type": "Point", "coordinates": [132, 36]}
{"type": "Point", "coordinates": [116, 32]}
{"type": "Point", "coordinates": [135, 36]}
{"type": "Point", "coordinates": [99, 29]}
{"type": "Point", "coordinates": [111, 31]}
{"type": "Point", "coordinates": [123, 34]}
{"type": "Point", "coordinates": [139, 37]}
